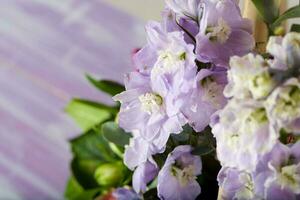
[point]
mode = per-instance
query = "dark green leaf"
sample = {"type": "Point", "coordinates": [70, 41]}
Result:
{"type": "Point", "coordinates": [88, 114]}
{"type": "Point", "coordinates": [114, 134]}
{"type": "Point", "coordinates": [203, 150]}
{"type": "Point", "coordinates": [293, 12]}
{"type": "Point", "coordinates": [92, 145]}
{"type": "Point", "coordinates": [151, 195]}
{"type": "Point", "coordinates": [295, 28]}
{"type": "Point", "coordinates": [109, 87]}
{"type": "Point", "coordinates": [205, 142]}
{"type": "Point", "coordinates": [83, 170]}
{"type": "Point", "coordinates": [208, 178]}
{"type": "Point", "coordinates": [184, 135]}
{"type": "Point", "coordinates": [90, 150]}
{"type": "Point", "coordinates": [268, 10]}
{"type": "Point", "coordinates": [160, 159]}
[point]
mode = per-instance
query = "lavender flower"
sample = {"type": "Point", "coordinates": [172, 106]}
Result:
{"type": "Point", "coordinates": [137, 152]}
{"type": "Point", "coordinates": [131, 113]}
{"type": "Point", "coordinates": [235, 184]}
{"type": "Point", "coordinates": [171, 23]}
{"type": "Point", "coordinates": [279, 173]}
{"type": "Point", "coordinates": [143, 174]}
{"type": "Point", "coordinates": [155, 95]}
{"type": "Point", "coordinates": [283, 106]}
{"type": "Point", "coordinates": [207, 97]}
{"type": "Point", "coordinates": [243, 134]}
{"type": "Point", "coordinates": [223, 32]}
{"type": "Point", "coordinates": [286, 51]}
{"type": "Point", "coordinates": [186, 8]}
{"type": "Point", "coordinates": [177, 178]}
{"type": "Point", "coordinates": [125, 194]}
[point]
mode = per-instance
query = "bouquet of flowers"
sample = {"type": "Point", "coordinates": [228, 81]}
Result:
{"type": "Point", "coordinates": [203, 115]}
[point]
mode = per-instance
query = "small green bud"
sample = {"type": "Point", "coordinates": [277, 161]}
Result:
{"type": "Point", "coordinates": [110, 174]}
{"type": "Point", "coordinates": [279, 31]}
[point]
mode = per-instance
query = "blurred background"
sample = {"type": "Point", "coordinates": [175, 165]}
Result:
{"type": "Point", "coordinates": [46, 47]}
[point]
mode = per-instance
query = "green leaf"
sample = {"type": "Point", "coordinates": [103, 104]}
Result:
{"type": "Point", "coordinates": [75, 192]}
{"type": "Point", "coordinates": [73, 189]}
{"type": "Point", "coordinates": [109, 87]}
{"type": "Point", "coordinates": [89, 114]}
{"type": "Point", "coordinates": [203, 150]}
{"type": "Point", "coordinates": [293, 12]}
{"type": "Point", "coordinates": [113, 133]}
{"type": "Point", "coordinates": [268, 9]}
{"type": "Point", "coordinates": [208, 178]}
{"type": "Point", "coordinates": [151, 194]}
{"type": "Point", "coordinates": [153, 184]}
{"type": "Point", "coordinates": [83, 170]}
{"type": "Point", "coordinates": [92, 145]}
{"type": "Point", "coordinates": [204, 142]}
{"type": "Point", "coordinates": [90, 150]}
{"type": "Point", "coordinates": [184, 135]}
{"type": "Point", "coordinates": [295, 28]}
{"type": "Point", "coordinates": [88, 194]}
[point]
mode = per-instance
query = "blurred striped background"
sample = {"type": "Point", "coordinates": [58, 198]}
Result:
{"type": "Point", "coordinates": [46, 46]}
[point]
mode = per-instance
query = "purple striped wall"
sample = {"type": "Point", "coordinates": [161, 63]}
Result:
{"type": "Point", "coordinates": [46, 46]}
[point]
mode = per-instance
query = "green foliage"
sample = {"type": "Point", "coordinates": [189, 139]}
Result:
{"type": "Point", "coordinates": [88, 114]}
{"type": "Point", "coordinates": [109, 87]}
{"type": "Point", "coordinates": [73, 189]}
{"type": "Point", "coordinates": [83, 170]}
{"type": "Point", "coordinates": [112, 133]}
{"type": "Point", "coordinates": [293, 12]}
{"type": "Point", "coordinates": [87, 194]}
{"type": "Point", "coordinates": [184, 135]}
{"type": "Point", "coordinates": [151, 194]}
{"type": "Point", "coordinates": [75, 192]}
{"type": "Point", "coordinates": [268, 10]}
{"type": "Point", "coordinates": [90, 150]}
{"type": "Point", "coordinates": [295, 28]}
{"type": "Point", "coordinates": [208, 178]}
{"type": "Point", "coordinates": [203, 150]}
{"type": "Point", "coordinates": [92, 145]}
{"type": "Point", "coordinates": [204, 143]}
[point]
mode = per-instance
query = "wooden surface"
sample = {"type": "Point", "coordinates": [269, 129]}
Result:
{"type": "Point", "coordinates": [46, 46]}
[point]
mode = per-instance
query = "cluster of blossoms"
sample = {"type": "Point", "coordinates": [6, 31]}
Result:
{"type": "Point", "coordinates": [179, 79]}
{"type": "Point", "coordinates": [257, 131]}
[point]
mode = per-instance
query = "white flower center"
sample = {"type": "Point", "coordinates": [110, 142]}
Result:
{"type": "Point", "coordinates": [168, 62]}
{"type": "Point", "coordinates": [221, 32]}
{"type": "Point", "coordinates": [247, 123]}
{"type": "Point", "coordinates": [261, 85]}
{"type": "Point", "coordinates": [288, 104]}
{"type": "Point", "coordinates": [246, 192]}
{"type": "Point", "coordinates": [289, 177]}
{"type": "Point", "coordinates": [151, 102]}
{"type": "Point", "coordinates": [185, 175]}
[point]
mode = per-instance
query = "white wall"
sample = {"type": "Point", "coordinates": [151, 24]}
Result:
{"type": "Point", "coordinates": [151, 9]}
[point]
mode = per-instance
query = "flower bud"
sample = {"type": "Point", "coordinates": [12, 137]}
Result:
{"type": "Point", "coordinates": [279, 31]}
{"type": "Point", "coordinates": [109, 174]}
